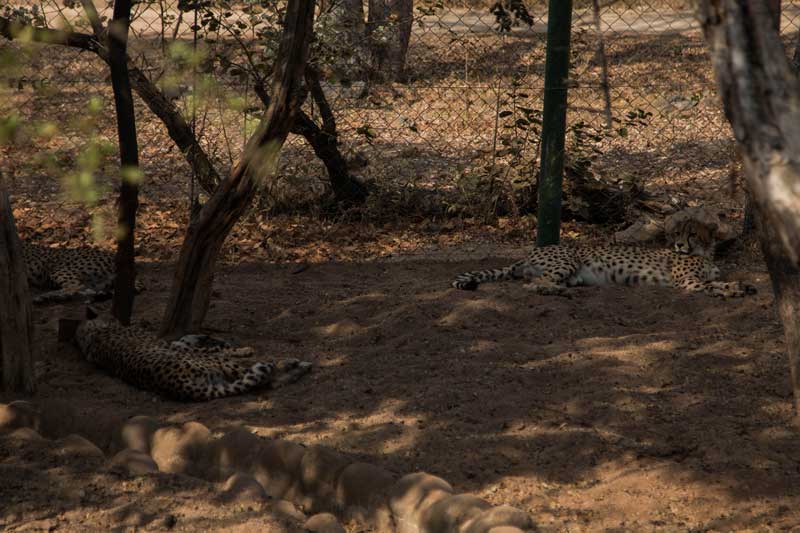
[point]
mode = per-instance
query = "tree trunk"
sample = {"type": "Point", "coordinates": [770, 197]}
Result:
{"type": "Point", "coordinates": [16, 326]}
{"type": "Point", "coordinates": [125, 275]}
{"type": "Point", "coordinates": [761, 96]}
{"type": "Point", "coordinates": [749, 221]}
{"type": "Point", "coordinates": [325, 144]}
{"type": "Point", "coordinates": [389, 28]}
{"type": "Point", "coordinates": [785, 277]}
{"type": "Point", "coordinates": [346, 18]}
{"type": "Point", "coordinates": [191, 286]}
{"type": "Point", "coordinates": [554, 122]}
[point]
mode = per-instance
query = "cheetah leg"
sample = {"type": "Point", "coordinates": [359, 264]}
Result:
{"type": "Point", "coordinates": [720, 289]}
{"type": "Point", "coordinates": [469, 281]}
{"type": "Point", "coordinates": [69, 289]}
{"type": "Point", "coordinates": [546, 283]}
{"type": "Point", "coordinates": [66, 294]}
{"type": "Point", "coordinates": [289, 371]}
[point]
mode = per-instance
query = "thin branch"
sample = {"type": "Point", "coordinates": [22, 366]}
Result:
{"type": "Point", "coordinates": [94, 19]}
{"type": "Point", "coordinates": [179, 131]}
{"type": "Point", "coordinates": [314, 85]}
{"type": "Point", "coordinates": [12, 29]}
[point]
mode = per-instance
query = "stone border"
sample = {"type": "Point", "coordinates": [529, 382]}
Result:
{"type": "Point", "coordinates": [319, 480]}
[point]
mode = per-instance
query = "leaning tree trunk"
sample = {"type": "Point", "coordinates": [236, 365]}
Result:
{"type": "Point", "coordinates": [16, 326]}
{"type": "Point", "coordinates": [761, 96]}
{"type": "Point", "coordinates": [324, 141]}
{"type": "Point", "coordinates": [191, 286]}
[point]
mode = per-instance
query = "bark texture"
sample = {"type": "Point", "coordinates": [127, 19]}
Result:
{"type": "Point", "coordinates": [16, 326]}
{"type": "Point", "coordinates": [761, 96]}
{"type": "Point", "coordinates": [191, 288]}
{"type": "Point", "coordinates": [325, 143]}
{"type": "Point", "coordinates": [124, 293]}
{"type": "Point", "coordinates": [389, 25]}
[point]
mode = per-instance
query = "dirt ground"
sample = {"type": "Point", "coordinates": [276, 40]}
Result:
{"type": "Point", "coordinates": [613, 408]}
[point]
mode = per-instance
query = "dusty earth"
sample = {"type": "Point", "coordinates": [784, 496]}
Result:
{"type": "Point", "coordinates": [612, 408]}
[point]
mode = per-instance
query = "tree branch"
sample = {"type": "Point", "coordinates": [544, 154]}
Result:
{"type": "Point", "coordinates": [14, 30]}
{"type": "Point", "coordinates": [178, 129]}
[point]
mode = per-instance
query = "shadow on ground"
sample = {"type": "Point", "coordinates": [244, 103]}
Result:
{"type": "Point", "coordinates": [613, 407]}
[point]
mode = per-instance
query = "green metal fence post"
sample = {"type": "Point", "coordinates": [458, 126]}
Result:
{"type": "Point", "coordinates": [554, 121]}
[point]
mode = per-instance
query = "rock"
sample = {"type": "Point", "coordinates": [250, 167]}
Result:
{"type": "Point", "coordinates": [19, 414]}
{"type": "Point", "coordinates": [129, 515]}
{"type": "Point", "coordinates": [362, 491]}
{"type": "Point", "coordinates": [26, 434]}
{"type": "Point", "coordinates": [323, 523]}
{"type": "Point", "coordinates": [242, 488]}
{"type": "Point", "coordinates": [100, 427]}
{"type": "Point", "coordinates": [288, 509]}
{"type": "Point", "coordinates": [450, 514]}
{"type": "Point", "coordinates": [75, 445]}
{"type": "Point", "coordinates": [319, 472]}
{"type": "Point", "coordinates": [497, 517]}
{"type": "Point", "coordinates": [412, 495]}
{"type": "Point", "coordinates": [58, 418]}
{"type": "Point", "coordinates": [184, 450]}
{"type": "Point", "coordinates": [135, 433]}
{"type": "Point", "coordinates": [236, 451]}
{"type": "Point", "coordinates": [277, 468]}
{"type": "Point", "coordinates": [132, 463]}
{"type": "Point", "coordinates": [506, 529]}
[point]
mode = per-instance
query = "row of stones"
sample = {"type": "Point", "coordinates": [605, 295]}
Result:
{"type": "Point", "coordinates": [317, 479]}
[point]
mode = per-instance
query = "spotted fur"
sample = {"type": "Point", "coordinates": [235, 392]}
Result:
{"type": "Point", "coordinates": [551, 269]}
{"type": "Point", "coordinates": [70, 273]}
{"type": "Point", "coordinates": [195, 367]}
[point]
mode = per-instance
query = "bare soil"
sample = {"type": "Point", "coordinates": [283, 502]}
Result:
{"type": "Point", "coordinates": [635, 409]}
{"type": "Point", "coordinates": [629, 409]}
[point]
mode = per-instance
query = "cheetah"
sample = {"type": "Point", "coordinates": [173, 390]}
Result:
{"type": "Point", "coordinates": [70, 273]}
{"type": "Point", "coordinates": [192, 368]}
{"type": "Point", "coordinates": [552, 269]}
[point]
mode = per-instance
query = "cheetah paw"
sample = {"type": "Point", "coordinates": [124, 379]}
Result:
{"type": "Point", "coordinates": [545, 290]}
{"type": "Point", "coordinates": [290, 371]}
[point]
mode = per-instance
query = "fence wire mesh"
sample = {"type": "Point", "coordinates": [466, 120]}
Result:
{"type": "Point", "coordinates": [466, 101]}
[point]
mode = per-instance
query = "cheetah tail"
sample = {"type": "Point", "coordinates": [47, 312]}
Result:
{"type": "Point", "coordinates": [469, 281]}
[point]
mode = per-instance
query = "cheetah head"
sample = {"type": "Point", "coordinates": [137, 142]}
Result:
{"type": "Point", "coordinates": [691, 237]}
{"type": "Point", "coordinates": [81, 332]}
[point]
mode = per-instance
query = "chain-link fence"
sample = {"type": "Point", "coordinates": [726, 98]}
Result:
{"type": "Point", "coordinates": [642, 100]}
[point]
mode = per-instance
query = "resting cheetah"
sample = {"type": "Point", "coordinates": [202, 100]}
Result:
{"type": "Point", "coordinates": [551, 269]}
{"type": "Point", "coordinates": [70, 273]}
{"type": "Point", "coordinates": [195, 367]}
